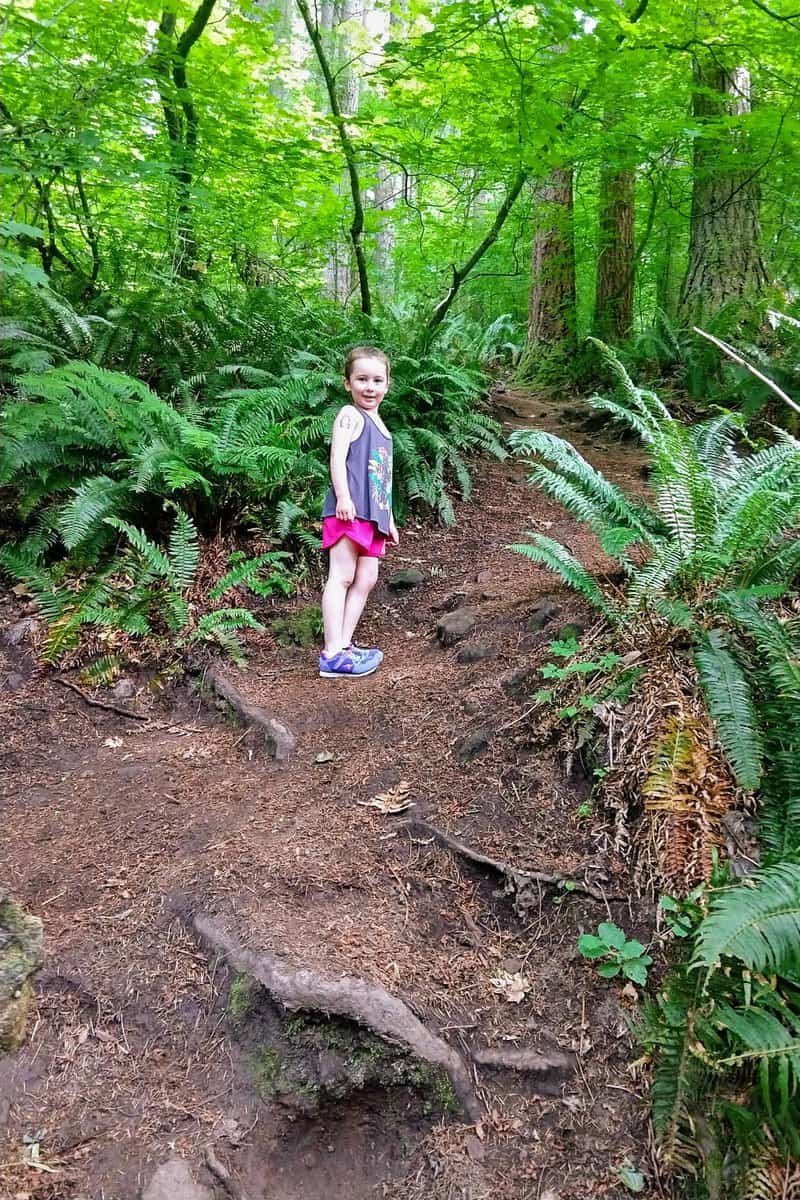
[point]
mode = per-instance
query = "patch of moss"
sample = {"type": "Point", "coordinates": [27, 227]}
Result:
{"type": "Point", "coordinates": [301, 628]}
{"type": "Point", "coordinates": [267, 1072]}
{"type": "Point", "coordinates": [241, 997]}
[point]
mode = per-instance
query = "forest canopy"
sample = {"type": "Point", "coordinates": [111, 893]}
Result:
{"type": "Point", "coordinates": [145, 141]}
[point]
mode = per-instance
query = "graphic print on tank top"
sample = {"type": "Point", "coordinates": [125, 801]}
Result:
{"type": "Point", "coordinates": [380, 478]}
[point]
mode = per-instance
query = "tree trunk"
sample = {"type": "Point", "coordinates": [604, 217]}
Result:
{"type": "Point", "coordinates": [725, 259]}
{"type": "Point", "coordinates": [613, 304]}
{"type": "Point", "coordinates": [388, 189]}
{"type": "Point", "coordinates": [180, 119]}
{"type": "Point", "coordinates": [348, 149]}
{"type": "Point", "coordinates": [551, 309]}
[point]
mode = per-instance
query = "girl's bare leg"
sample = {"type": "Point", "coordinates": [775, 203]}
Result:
{"type": "Point", "coordinates": [341, 573]}
{"type": "Point", "coordinates": [366, 577]}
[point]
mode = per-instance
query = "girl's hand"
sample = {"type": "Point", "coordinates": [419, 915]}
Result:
{"type": "Point", "coordinates": [345, 509]}
{"type": "Point", "coordinates": [394, 536]}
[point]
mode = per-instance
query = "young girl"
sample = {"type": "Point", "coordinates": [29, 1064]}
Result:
{"type": "Point", "coordinates": [357, 513]}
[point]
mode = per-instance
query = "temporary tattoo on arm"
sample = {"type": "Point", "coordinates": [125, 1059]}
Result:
{"type": "Point", "coordinates": [344, 421]}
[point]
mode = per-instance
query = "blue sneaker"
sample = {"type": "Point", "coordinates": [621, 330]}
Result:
{"type": "Point", "coordinates": [347, 663]}
{"type": "Point", "coordinates": [363, 652]}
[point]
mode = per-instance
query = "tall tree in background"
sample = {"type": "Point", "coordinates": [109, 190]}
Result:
{"type": "Point", "coordinates": [725, 257]}
{"type": "Point", "coordinates": [343, 101]}
{"type": "Point", "coordinates": [180, 118]}
{"type": "Point", "coordinates": [613, 304]}
{"type": "Point", "coordinates": [551, 306]}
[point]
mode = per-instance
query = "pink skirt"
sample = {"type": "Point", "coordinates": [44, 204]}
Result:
{"type": "Point", "coordinates": [364, 534]}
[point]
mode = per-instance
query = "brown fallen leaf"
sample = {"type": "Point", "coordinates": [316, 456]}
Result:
{"type": "Point", "coordinates": [391, 802]}
{"type": "Point", "coordinates": [512, 987]}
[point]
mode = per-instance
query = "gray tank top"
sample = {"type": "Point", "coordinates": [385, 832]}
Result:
{"type": "Point", "coordinates": [369, 477]}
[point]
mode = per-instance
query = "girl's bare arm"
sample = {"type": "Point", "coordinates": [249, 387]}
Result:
{"type": "Point", "coordinates": [346, 427]}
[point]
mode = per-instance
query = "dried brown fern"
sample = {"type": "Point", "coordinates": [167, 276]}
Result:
{"type": "Point", "coordinates": [771, 1178]}
{"type": "Point", "coordinates": [688, 790]}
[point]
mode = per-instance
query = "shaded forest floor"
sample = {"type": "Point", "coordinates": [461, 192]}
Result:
{"type": "Point", "coordinates": [142, 1046]}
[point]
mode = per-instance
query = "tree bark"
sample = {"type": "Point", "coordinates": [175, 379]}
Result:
{"type": "Point", "coordinates": [551, 308]}
{"type": "Point", "coordinates": [613, 304]}
{"type": "Point", "coordinates": [725, 258]}
{"type": "Point", "coordinates": [180, 119]}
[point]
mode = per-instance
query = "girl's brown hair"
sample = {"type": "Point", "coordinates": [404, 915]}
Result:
{"type": "Point", "coordinates": [365, 352]}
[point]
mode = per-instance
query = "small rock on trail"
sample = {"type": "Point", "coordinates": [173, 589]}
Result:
{"type": "Point", "coordinates": [542, 614]}
{"type": "Point", "coordinates": [174, 1180]}
{"type": "Point", "coordinates": [455, 626]}
{"type": "Point", "coordinates": [474, 653]}
{"type": "Point", "coordinates": [402, 581]}
{"type": "Point", "coordinates": [473, 743]}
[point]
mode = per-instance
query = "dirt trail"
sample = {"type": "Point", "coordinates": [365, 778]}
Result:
{"type": "Point", "coordinates": [117, 832]}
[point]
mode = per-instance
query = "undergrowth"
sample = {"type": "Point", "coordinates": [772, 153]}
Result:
{"type": "Point", "coordinates": [218, 406]}
{"type": "Point", "coordinates": [692, 685]}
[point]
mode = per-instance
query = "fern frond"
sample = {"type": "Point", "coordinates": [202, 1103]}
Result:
{"type": "Point", "coordinates": [558, 559]}
{"type": "Point", "coordinates": [93, 500]}
{"type": "Point", "coordinates": [155, 558]}
{"type": "Point", "coordinates": [757, 923]}
{"type": "Point", "coordinates": [730, 703]}
{"type": "Point", "coordinates": [245, 573]}
{"type": "Point", "coordinates": [103, 671]}
{"type": "Point", "coordinates": [579, 486]}
{"type": "Point", "coordinates": [183, 551]}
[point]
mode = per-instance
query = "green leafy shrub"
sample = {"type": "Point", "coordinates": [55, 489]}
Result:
{"type": "Point", "coordinates": [725, 1032]}
{"type": "Point", "coordinates": [709, 563]}
{"type": "Point", "coordinates": [143, 591]}
{"type": "Point", "coordinates": [621, 956]}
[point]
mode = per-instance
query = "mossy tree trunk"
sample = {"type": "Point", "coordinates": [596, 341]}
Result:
{"type": "Point", "coordinates": [613, 305]}
{"type": "Point", "coordinates": [551, 309]}
{"type": "Point", "coordinates": [725, 257]}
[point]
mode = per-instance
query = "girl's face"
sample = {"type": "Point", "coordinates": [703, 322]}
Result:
{"type": "Point", "coordinates": [368, 383]}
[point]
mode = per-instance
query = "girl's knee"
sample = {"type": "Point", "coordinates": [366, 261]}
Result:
{"type": "Point", "coordinates": [342, 575]}
{"type": "Point", "coordinates": [367, 573]}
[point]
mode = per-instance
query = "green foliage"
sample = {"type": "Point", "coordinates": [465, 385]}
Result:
{"type": "Point", "coordinates": [726, 1028]}
{"type": "Point", "coordinates": [682, 915]}
{"type": "Point", "coordinates": [706, 563]}
{"type": "Point", "coordinates": [301, 628]}
{"type": "Point", "coordinates": [142, 591]}
{"type": "Point", "coordinates": [730, 703]}
{"type": "Point", "coordinates": [715, 541]}
{"type": "Point", "coordinates": [621, 956]}
{"type": "Point", "coordinates": [757, 923]}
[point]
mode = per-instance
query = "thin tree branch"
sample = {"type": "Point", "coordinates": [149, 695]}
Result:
{"type": "Point", "coordinates": [737, 358]}
{"type": "Point", "coordinates": [91, 232]}
{"type": "Point", "coordinates": [775, 16]}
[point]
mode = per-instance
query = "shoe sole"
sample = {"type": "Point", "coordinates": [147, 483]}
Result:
{"type": "Point", "coordinates": [348, 674]}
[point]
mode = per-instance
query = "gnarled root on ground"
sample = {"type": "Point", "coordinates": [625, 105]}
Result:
{"type": "Point", "coordinates": [347, 996]}
{"type": "Point", "coordinates": [263, 730]}
{"type": "Point", "coordinates": [518, 881]}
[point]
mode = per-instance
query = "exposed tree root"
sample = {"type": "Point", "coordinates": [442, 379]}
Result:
{"type": "Point", "coordinates": [367, 1003]}
{"type": "Point", "coordinates": [221, 1172]}
{"type": "Point", "coordinates": [519, 881]}
{"type": "Point", "coordinates": [262, 728]}
{"type": "Point", "coordinates": [525, 1060]}
{"type": "Point", "coordinates": [115, 708]}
